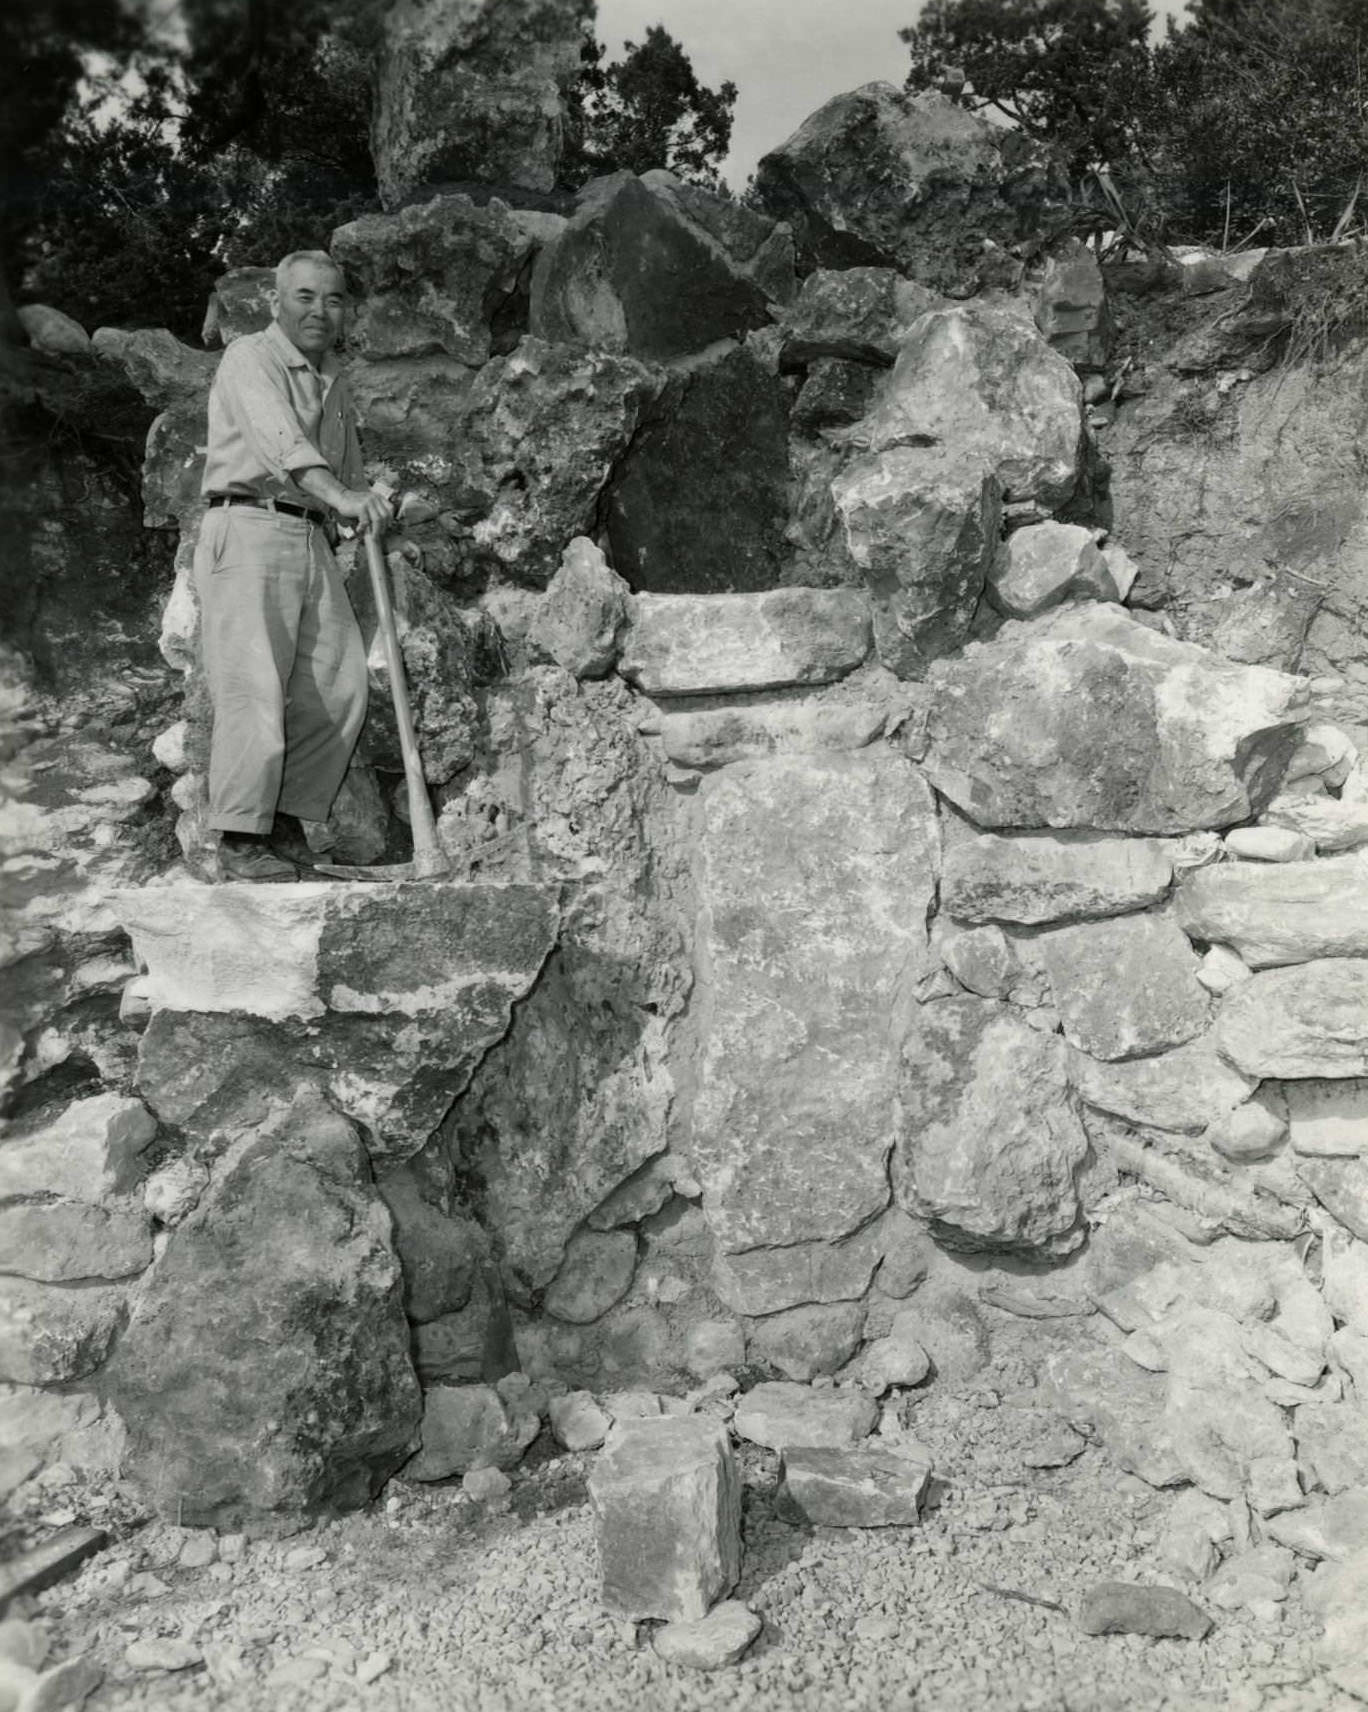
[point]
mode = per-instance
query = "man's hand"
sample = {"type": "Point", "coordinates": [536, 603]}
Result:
{"type": "Point", "coordinates": [367, 508]}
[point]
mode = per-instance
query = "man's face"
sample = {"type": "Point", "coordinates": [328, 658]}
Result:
{"type": "Point", "coordinates": [310, 307]}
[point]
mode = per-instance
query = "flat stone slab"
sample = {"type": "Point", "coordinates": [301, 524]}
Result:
{"type": "Point", "coordinates": [853, 1488]}
{"type": "Point", "coordinates": [679, 644]}
{"type": "Point", "coordinates": [387, 995]}
{"type": "Point", "coordinates": [1275, 913]}
{"type": "Point", "coordinates": [1033, 878]}
{"type": "Point", "coordinates": [715, 737]}
{"type": "Point", "coordinates": [719, 1639]}
{"type": "Point", "coordinates": [815, 875]}
{"type": "Point", "coordinates": [667, 1503]}
{"type": "Point", "coordinates": [780, 1415]}
{"type": "Point", "coordinates": [1183, 1090]}
{"type": "Point", "coordinates": [1310, 1020]}
{"type": "Point", "coordinates": [1121, 1608]}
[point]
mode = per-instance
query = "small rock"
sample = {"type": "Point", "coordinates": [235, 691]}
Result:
{"type": "Point", "coordinates": [199, 1551]}
{"type": "Point", "coordinates": [373, 1666]}
{"type": "Point", "coordinates": [577, 1422]}
{"type": "Point", "coordinates": [854, 1488]}
{"type": "Point", "coordinates": [297, 1670]}
{"type": "Point", "coordinates": [23, 1643]}
{"type": "Point", "coordinates": [1335, 1528]}
{"type": "Point", "coordinates": [1262, 1573]}
{"type": "Point", "coordinates": [67, 1684]}
{"type": "Point", "coordinates": [632, 1405]}
{"type": "Point", "coordinates": [1269, 844]}
{"type": "Point", "coordinates": [159, 1653]}
{"type": "Point", "coordinates": [1251, 1131]}
{"type": "Point", "coordinates": [486, 1485]}
{"type": "Point", "coordinates": [1221, 969]}
{"type": "Point", "coordinates": [1122, 1608]}
{"type": "Point", "coordinates": [1056, 1445]}
{"type": "Point", "coordinates": [305, 1557]}
{"type": "Point", "coordinates": [897, 1359]}
{"type": "Point", "coordinates": [719, 1639]}
{"type": "Point", "coordinates": [780, 1415]}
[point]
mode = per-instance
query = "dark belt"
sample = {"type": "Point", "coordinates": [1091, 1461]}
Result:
{"type": "Point", "coordinates": [283, 505]}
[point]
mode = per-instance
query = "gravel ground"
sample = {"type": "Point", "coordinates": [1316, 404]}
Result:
{"type": "Point", "coordinates": [450, 1604]}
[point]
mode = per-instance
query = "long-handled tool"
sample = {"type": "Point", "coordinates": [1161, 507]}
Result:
{"type": "Point", "coordinates": [429, 861]}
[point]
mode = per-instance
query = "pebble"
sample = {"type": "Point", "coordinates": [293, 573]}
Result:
{"type": "Point", "coordinates": [1122, 1608]}
{"type": "Point", "coordinates": [162, 1654]}
{"type": "Point", "coordinates": [717, 1640]}
{"type": "Point", "coordinates": [486, 1485]}
{"type": "Point", "coordinates": [373, 1666]}
{"type": "Point", "coordinates": [199, 1551]}
{"type": "Point", "coordinates": [305, 1557]}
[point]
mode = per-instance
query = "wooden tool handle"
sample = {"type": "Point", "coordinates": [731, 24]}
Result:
{"type": "Point", "coordinates": [428, 858]}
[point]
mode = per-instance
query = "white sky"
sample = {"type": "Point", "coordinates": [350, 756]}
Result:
{"type": "Point", "coordinates": [786, 57]}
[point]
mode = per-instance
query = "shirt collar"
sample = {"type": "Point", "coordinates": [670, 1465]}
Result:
{"type": "Point", "coordinates": [294, 358]}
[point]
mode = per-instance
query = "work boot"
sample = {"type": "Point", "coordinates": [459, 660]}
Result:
{"type": "Point", "coordinates": [247, 856]}
{"type": "Point", "coordinates": [290, 844]}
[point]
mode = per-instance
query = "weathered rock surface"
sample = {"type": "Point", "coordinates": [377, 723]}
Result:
{"type": "Point", "coordinates": [715, 737]}
{"type": "Point", "coordinates": [1187, 1089]}
{"type": "Point", "coordinates": [699, 503]}
{"type": "Point", "coordinates": [52, 332]}
{"type": "Point", "coordinates": [1123, 1608]}
{"type": "Point", "coordinates": [980, 382]}
{"type": "Point", "coordinates": [1063, 876]}
{"type": "Point", "coordinates": [1069, 298]}
{"type": "Point", "coordinates": [629, 274]}
{"type": "Point", "coordinates": [93, 1148]}
{"type": "Point", "coordinates": [1330, 823]}
{"type": "Point", "coordinates": [806, 1342]}
{"type": "Point", "coordinates": [1278, 913]}
{"type": "Point", "coordinates": [1125, 987]}
{"type": "Point", "coordinates": [472, 92]}
{"type": "Point", "coordinates": [767, 1280]}
{"type": "Point", "coordinates": [667, 1502]}
{"type": "Point", "coordinates": [579, 622]}
{"type": "Point", "coordinates": [1046, 563]}
{"type": "Point", "coordinates": [577, 1421]}
{"type": "Point", "coordinates": [596, 1272]}
{"type": "Point", "coordinates": [1085, 718]}
{"type": "Point", "coordinates": [858, 314]}
{"type": "Point", "coordinates": [815, 876]}
{"type": "Point", "coordinates": [1341, 1187]}
{"type": "Point", "coordinates": [853, 1488]}
{"type": "Point", "coordinates": [991, 1137]}
{"type": "Point", "coordinates": [441, 1254]}
{"type": "Point", "coordinates": [717, 1640]}
{"type": "Point", "coordinates": [1326, 1119]}
{"type": "Point", "coordinates": [1309, 1020]}
{"type": "Point", "coordinates": [707, 644]}
{"type": "Point", "coordinates": [431, 277]}
{"type": "Point", "coordinates": [885, 177]}
{"type": "Point", "coordinates": [922, 524]}
{"type": "Point", "coordinates": [51, 1333]}
{"type": "Point", "coordinates": [265, 1372]}
{"type": "Point", "coordinates": [761, 248]}
{"type": "Point", "coordinates": [469, 1426]}
{"type": "Point", "coordinates": [69, 1241]}
{"type": "Point", "coordinates": [781, 1415]}
{"type": "Point", "coordinates": [238, 304]}
{"type": "Point", "coordinates": [389, 997]}
{"type": "Point", "coordinates": [1268, 844]}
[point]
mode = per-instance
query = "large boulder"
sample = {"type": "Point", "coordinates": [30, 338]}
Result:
{"type": "Point", "coordinates": [979, 380]}
{"type": "Point", "coordinates": [858, 314]}
{"type": "Point", "coordinates": [815, 877]}
{"type": "Point", "coordinates": [1278, 912]}
{"type": "Point", "coordinates": [629, 274]}
{"type": "Point", "coordinates": [432, 277]}
{"type": "Point", "coordinates": [1086, 718]}
{"type": "Point", "coordinates": [473, 91]}
{"type": "Point", "coordinates": [387, 996]}
{"type": "Point", "coordinates": [700, 501]}
{"type": "Point", "coordinates": [991, 1137]}
{"type": "Point", "coordinates": [760, 248]}
{"type": "Point", "coordinates": [265, 1373]}
{"type": "Point", "coordinates": [881, 176]}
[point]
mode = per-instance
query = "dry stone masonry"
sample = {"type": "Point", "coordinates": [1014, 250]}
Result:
{"type": "Point", "coordinates": [893, 951]}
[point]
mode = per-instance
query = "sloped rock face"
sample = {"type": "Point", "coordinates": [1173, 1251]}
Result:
{"type": "Point", "coordinates": [472, 92]}
{"type": "Point", "coordinates": [629, 274]}
{"type": "Point", "coordinates": [388, 997]}
{"type": "Point", "coordinates": [1088, 719]}
{"type": "Point", "coordinates": [991, 1137]}
{"type": "Point", "coordinates": [700, 501]}
{"type": "Point", "coordinates": [265, 1374]}
{"type": "Point", "coordinates": [885, 178]}
{"type": "Point", "coordinates": [431, 277]}
{"type": "Point", "coordinates": [810, 870]}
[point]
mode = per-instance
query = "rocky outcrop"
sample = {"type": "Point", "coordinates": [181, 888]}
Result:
{"type": "Point", "coordinates": [472, 92]}
{"type": "Point", "coordinates": [265, 1374]}
{"type": "Point", "coordinates": [883, 177]}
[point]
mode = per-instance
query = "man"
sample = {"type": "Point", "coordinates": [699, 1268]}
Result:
{"type": "Point", "coordinates": [282, 652]}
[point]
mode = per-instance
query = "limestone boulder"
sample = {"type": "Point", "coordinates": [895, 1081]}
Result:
{"type": "Point", "coordinates": [473, 93]}
{"type": "Point", "coordinates": [1047, 563]}
{"type": "Point", "coordinates": [760, 248]}
{"type": "Point", "coordinates": [407, 405]}
{"type": "Point", "coordinates": [1125, 987]}
{"type": "Point", "coordinates": [780, 1415]}
{"type": "Point", "coordinates": [67, 1242]}
{"type": "Point", "coordinates": [432, 277]}
{"type": "Point", "coordinates": [858, 314]}
{"type": "Point", "coordinates": [1069, 300]}
{"type": "Point", "coordinates": [52, 332]}
{"type": "Point", "coordinates": [881, 176]}
{"type": "Point", "coordinates": [1330, 823]}
{"type": "Point", "coordinates": [596, 1272]}
{"type": "Point", "coordinates": [980, 382]}
{"type": "Point", "coordinates": [389, 997]}
{"type": "Point", "coordinates": [528, 450]}
{"type": "Point", "coordinates": [1086, 718]}
{"type": "Point", "coordinates": [1278, 913]}
{"type": "Point", "coordinates": [699, 503]}
{"type": "Point", "coordinates": [1187, 1089]}
{"type": "Point", "coordinates": [834, 394]}
{"type": "Point", "coordinates": [265, 1375]}
{"type": "Point", "coordinates": [630, 274]}
{"type": "Point", "coordinates": [991, 1138]}
{"type": "Point", "coordinates": [165, 371]}
{"type": "Point", "coordinates": [441, 1254]}
{"type": "Point", "coordinates": [815, 876]}
{"type": "Point", "coordinates": [921, 522]}
{"type": "Point", "coordinates": [1305, 1021]}
{"type": "Point", "coordinates": [853, 1488]}
{"type": "Point", "coordinates": [470, 1426]}
{"type": "Point", "coordinates": [1035, 878]}
{"type": "Point", "coordinates": [579, 623]}
{"type": "Point", "coordinates": [806, 1342]}
{"type": "Point", "coordinates": [680, 644]}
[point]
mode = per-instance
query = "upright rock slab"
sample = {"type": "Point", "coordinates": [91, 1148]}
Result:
{"type": "Point", "coordinates": [815, 876]}
{"type": "Point", "coordinates": [667, 1502]}
{"type": "Point", "coordinates": [1275, 913]}
{"type": "Point", "coordinates": [885, 177]}
{"type": "Point", "coordinates": [991, 1137]}
{"type": "Point", "coordinates": [265, 1373]}
{"type": "Point", "coordinates": [387, 996]}
{"type": "Point", "coordinates": [1086, 718]}
{"type": "Point", "coordinates": [473, 92]}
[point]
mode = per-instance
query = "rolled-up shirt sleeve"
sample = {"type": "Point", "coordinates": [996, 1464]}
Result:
{"type": "Point", "coordinates": [252, 399]}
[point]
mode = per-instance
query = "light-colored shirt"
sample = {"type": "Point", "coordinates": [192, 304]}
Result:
{"type": "Point", "coordinates": [272, 415]}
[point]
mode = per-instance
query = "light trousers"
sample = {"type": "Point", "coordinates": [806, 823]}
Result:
{"type": "Point", "coordinates": [285, 665]}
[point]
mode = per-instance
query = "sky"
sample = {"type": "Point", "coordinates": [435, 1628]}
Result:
{"type": "Point", "coordinates": [786, 57]}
